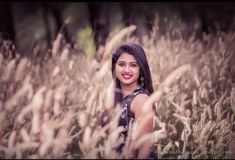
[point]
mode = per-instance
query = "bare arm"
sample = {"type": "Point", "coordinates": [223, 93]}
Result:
{"type": "Point", "coordinates": [144, 120]}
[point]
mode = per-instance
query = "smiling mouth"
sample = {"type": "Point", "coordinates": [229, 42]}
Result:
{"type": "Point", "coordinates": [126, 76]}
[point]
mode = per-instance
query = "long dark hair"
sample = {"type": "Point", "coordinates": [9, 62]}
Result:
{"type": "Point", "coordinates": [138, 52]}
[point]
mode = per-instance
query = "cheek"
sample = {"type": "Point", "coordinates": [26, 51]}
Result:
{"type": "Point", "coordinates": [137, 72]}
{"type": "Point", "coordinates": [118, 71]}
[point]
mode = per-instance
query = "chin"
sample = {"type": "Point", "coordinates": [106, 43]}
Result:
{"type": "Point", "coordinates": [126, 83]}
{"type": "Point", "coordinates": [129, 82]}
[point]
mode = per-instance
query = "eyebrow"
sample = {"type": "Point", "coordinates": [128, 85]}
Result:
{"type": "Point", "coordinates": [127, 62]}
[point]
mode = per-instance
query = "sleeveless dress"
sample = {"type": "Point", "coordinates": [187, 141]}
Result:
{"type": "Point", "coordinates": [127, 116]}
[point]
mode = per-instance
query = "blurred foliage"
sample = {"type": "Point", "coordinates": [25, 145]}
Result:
{"type": "Point", "coordinates": [86, 41]}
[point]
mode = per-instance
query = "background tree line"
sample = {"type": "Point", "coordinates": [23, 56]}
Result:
{"type": "Point", "coordinates": [29, 24]}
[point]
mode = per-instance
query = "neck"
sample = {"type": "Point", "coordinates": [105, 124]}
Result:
{"type": "Point", "coordinates": [127, 89]}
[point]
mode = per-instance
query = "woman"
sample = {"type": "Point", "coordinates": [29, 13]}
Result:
{"type": "Point", "coordinates": [131, 72]}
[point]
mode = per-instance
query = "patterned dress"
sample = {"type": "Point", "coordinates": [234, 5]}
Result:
{"type": "Point", "coordinates": [127, 116]}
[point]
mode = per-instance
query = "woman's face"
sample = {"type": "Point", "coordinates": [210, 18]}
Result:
{"type": "Point", "coordinates": [127, 70]}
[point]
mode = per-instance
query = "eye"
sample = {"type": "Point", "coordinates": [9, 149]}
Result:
{"type": "Point", "coordinates": [133, 65]}
{"type": "Point", "coordinates": [121, 64]}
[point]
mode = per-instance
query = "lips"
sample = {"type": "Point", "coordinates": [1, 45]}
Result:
{"type": "Point", "coordinates": [126, 76]}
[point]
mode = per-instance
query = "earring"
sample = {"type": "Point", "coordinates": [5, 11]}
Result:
{"type": "Point", "coordinates": [142, 81]}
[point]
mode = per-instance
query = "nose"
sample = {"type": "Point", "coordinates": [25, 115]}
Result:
{"type": "Point", "coordinates": [126, 69]}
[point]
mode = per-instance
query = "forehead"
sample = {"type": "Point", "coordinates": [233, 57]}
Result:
{"type": "Point", "coordinates": [127, 58]}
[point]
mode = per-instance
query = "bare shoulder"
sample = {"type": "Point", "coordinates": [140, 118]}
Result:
{"type": "Point", "coordinates": [140, 98]}
{"type": "Point", "coordinates": [137, 104]}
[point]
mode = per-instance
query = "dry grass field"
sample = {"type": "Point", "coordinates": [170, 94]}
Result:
{"type": "Point", "coordinates": [50, 104]}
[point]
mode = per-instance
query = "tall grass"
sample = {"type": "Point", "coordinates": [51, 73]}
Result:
{"type": "Point", "coordinates": [50, 106]}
